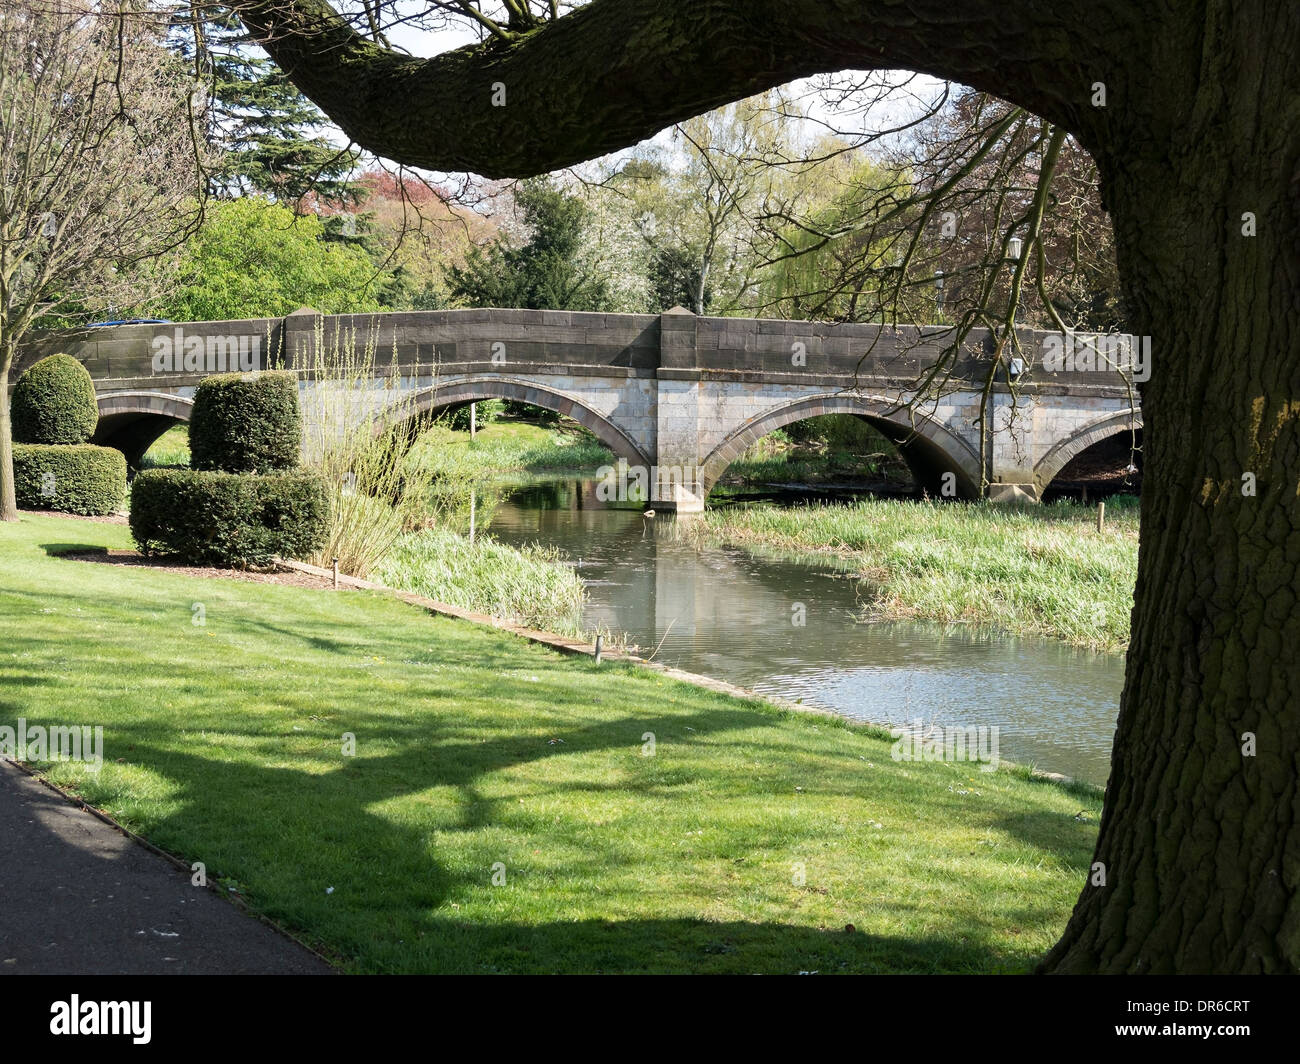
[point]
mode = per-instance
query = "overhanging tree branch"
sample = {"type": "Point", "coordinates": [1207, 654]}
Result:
{"type": "Point", "coordinates": [616, 71]}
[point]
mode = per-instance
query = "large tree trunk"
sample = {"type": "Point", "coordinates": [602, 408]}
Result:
{"type": "Point", "coordinates": [1200, 841]}
{"type": "Point", "coordinates": [8, 502]}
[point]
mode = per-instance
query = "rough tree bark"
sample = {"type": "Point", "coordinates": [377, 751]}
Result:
{"type": "Point", "coordinates": [1201, 842]}
{"type": "Point", "coordinates": [1200, 126]}
{"type": "Point", "coordinates": [8, 498]}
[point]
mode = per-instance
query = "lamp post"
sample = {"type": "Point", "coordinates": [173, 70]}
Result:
{"type": "Point", "coordinates": [1015, 246]}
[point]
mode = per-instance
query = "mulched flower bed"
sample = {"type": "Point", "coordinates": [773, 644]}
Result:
{"type": "Point", "coordinates": [286, 577]}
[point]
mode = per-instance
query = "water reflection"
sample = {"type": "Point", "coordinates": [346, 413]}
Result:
{"type": "Point", "coordinates": [792, 627]}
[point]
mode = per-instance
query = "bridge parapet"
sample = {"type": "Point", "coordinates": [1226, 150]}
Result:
{"type": "Point", "coordinates": [676, 345]}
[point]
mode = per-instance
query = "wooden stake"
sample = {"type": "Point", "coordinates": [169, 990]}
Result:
{"type": "Point", "coordinates": [600, 645]}
{"type": "Point", "coordinates": [1101, 516]}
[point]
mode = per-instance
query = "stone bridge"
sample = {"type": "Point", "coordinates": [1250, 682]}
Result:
{"type": "Point", "coordinates": [675, 395]}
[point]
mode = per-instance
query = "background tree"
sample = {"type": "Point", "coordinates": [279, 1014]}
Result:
{"type": "Point", "coordinates": [545, 269]}
{"type": "Point", "coordinates": [271, 139]}
{"type": "Point", "coordinates": [695, 206]}
{"type": "Point", "coordinates": [254, 259]}
{"type": "Point", "coordinates": [1192, 123]}
{"type": "Point", "coordinates": [99, 165]}
{"type": "Point", "coordinates": [415, 232]}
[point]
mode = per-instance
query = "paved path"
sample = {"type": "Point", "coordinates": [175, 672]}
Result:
{"type": "Point", "coordinates": [78, 897]}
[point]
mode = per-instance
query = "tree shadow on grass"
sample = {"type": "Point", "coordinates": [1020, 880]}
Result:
{"type": "Point", "coordinates": [59, 550]}
{"type": "Point", "coordinates": [688, 946]}
{"type": "Point", "coordinates": [270, 805]}
{"type": "Point", "coordinates": [284, 835]}
{"type": "Point", "coordinates": [1056, 833]}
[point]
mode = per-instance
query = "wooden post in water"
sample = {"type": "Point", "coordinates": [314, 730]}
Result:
{"type": "Point", "coordinates": [1101, 516]}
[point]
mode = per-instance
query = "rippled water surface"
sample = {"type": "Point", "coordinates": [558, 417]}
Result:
{"type": "Point", "coordinates": [733, 615]}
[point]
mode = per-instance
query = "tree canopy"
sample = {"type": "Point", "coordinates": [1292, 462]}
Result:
{"type": "Point", "coordinates": [254, 259]}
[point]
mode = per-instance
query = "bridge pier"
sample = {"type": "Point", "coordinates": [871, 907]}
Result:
{"type": "Point", "coordinates": [1010, 449]}
{"type": "Point", "coordinates": [676, 477]}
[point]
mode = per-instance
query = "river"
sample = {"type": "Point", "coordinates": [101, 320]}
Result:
{"type": "Point", "coordinates": [792, 627]}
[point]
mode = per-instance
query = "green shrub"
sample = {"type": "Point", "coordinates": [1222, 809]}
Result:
{"type": "Point", "coordinates": [54, 402]}
{"type": "Point", "coordinates": [528, 412]}
{"type": "Point", "coordinates": [229, 519]}
{"type": "Point", "coordinates": [486, 411]}
{"type": "Point", "coordinates": [77, 479]}
{"type": "Point", "coordinates": [246, 423]}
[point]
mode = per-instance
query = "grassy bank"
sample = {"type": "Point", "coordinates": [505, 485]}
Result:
{"type": "Point", "coordinates": [509, 449]}
{"type": "Point", "coordinates": [1045, 569]}
{"type": "Point", "coordinates": [223, 744]}
{"type": "Point", "coordinates": [830, 449]}
{"type": "Point", "coordinates": [530, 586]}
{"type": "Point", "coordinates": [172, 448]}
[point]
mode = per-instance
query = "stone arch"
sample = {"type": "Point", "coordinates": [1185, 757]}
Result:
{"type": "Point", "coordinates": [1060, 454]}
{"type": "Point", "coordinates": [929, 448]}
{"type": "Point", "coordinates": [132, 421]}
{"type": "Point", "coordinates": [476, 389]}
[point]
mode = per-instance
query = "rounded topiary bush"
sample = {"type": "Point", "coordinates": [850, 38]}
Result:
{"type": "Point", "coordinates": [77, 479]}
{"type": "Point", "coordinates": [229, 519]}
{"type": "Point", "coordinates": [246, 423]}
{"type": "Point", "coordinates": [54, 402]}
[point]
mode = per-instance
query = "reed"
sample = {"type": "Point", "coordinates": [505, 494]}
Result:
{"type": "Point", "coordinates": [375, 493]}
{"type": "Point", "coordinates": [1044, 569]}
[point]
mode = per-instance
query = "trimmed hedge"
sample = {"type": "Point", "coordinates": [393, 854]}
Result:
{"type": "Point", "coordinates": [76, 479]}
{"type": "Point", "coordinates": [229, 519]}
{"type": "Point", "coordinates": [54, 402]}
{"type": "Point", "coordinates": [246, 423]}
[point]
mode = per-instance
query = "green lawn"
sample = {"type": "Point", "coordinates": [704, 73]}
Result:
{"type": "Point", "coordinates": [223, 745]}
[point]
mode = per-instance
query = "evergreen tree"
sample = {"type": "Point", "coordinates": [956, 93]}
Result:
{"type": "Point", "coordinates": [270, 133]}
{"type": "Point", "coordinates": [548, 271]}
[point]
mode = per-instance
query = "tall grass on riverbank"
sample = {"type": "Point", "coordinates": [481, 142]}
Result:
{"type": "Point", "coordinates": [375, 494]}
{"type": "Point", "coordinates": [1043, 569]}
{"type": "Point", "coordinates": [528, 586]}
